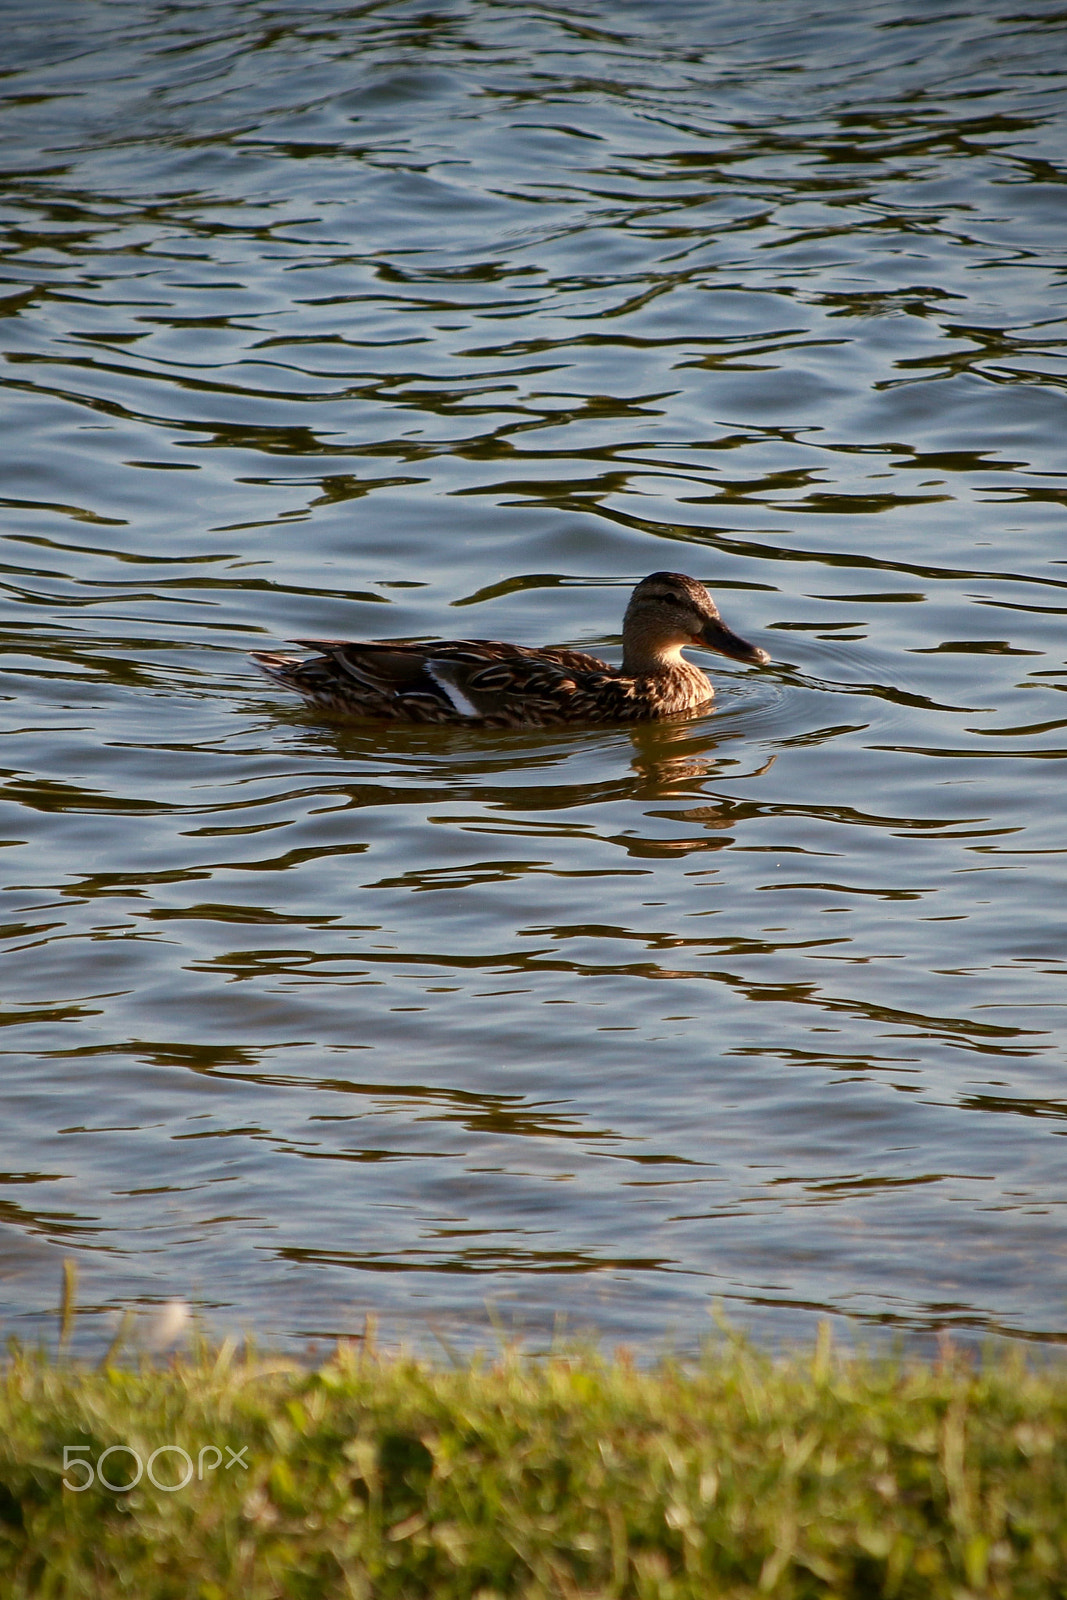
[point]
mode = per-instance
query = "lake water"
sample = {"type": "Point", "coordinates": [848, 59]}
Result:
{"type": "Point", "coordinates": [455, 319]}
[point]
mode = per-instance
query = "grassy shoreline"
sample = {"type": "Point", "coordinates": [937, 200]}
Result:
{"type": "Point", "coordinates": [388, 1477]}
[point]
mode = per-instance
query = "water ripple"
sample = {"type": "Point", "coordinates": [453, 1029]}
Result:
{"type": "Point", "coordinates": [396, 323]}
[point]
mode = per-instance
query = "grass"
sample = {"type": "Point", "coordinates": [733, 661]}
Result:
{"type": "Point", "coordinates": [392, 1478]}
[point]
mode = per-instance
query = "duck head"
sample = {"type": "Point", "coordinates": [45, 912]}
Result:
{"type": "Point", "coordinates": [667, 610]}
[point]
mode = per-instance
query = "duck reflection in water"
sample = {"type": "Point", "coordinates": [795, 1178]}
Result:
{"type": "Point", "coordinates": [673, 758]}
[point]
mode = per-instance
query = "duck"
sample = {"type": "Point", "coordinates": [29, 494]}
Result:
{"type": "Point", "coordinates": [497, 685]}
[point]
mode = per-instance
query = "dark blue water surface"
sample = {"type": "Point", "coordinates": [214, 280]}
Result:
{"type": "Point", "coordinates": [409, 320]}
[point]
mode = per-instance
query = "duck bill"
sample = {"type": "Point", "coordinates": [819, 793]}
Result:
{"type": "Point", "coordinates": [715, 635]}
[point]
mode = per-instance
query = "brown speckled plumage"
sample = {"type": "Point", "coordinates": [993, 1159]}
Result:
{"type": "Point", "coordinates": [498, 685]}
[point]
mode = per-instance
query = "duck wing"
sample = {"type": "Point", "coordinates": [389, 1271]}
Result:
{"type": "Point", "coordinates": [476, 678]}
